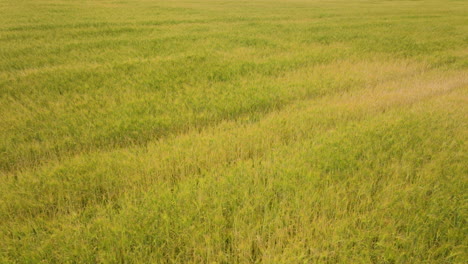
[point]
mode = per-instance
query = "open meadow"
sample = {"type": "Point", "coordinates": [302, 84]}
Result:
{"type": "Point", "coordinates": [221, 131]}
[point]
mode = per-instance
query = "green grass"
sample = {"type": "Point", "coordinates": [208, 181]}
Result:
{"type": "Point", "coordinates": [211, 131]}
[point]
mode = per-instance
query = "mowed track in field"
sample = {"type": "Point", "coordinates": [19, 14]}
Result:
{"type": "Point", "coordinates": [233, 131]}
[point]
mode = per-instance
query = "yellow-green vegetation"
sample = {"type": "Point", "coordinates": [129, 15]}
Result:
{"type": "Point", "coordinates": [218, 131]}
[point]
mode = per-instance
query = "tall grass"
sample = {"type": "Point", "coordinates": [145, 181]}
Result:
{"type": "Point", "coordinates": [233, 131]}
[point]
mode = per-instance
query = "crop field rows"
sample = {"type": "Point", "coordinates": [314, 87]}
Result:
{"type": "Point", "coordinates": [211, 131]}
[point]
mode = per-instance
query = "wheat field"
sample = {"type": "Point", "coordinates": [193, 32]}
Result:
{"type": "Point", "coordinates": [219, 131]}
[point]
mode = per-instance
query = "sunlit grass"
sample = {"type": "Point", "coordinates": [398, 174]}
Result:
{"type": "Point", "coordinates": [233, 131]}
